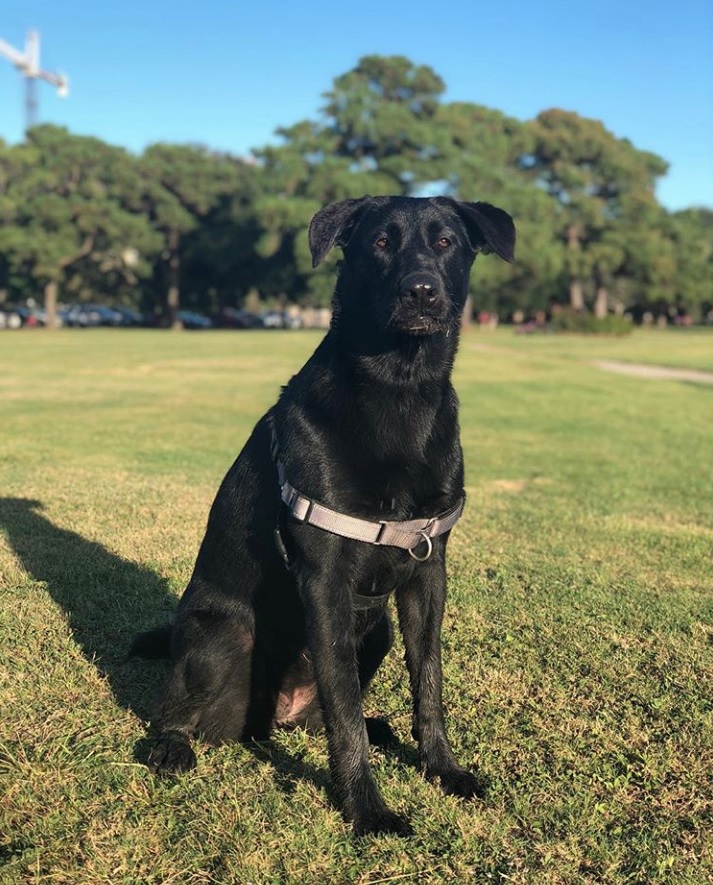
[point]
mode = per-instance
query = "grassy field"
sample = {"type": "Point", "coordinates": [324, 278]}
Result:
{"type": "Point", "coordinates": [578, 640]}
{"type": "Point", "coordinates": [676, 348]}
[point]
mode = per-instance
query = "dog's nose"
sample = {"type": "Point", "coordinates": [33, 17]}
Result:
{"type": "Point", "coordinates": [423, 292]}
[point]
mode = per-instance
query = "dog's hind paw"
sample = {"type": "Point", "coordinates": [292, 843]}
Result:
{"type": "Point", "coordinates": [383, 821]}
{"type": "Point", "coordinates": [172, 754]}
{"type": "Point", "coordinates": [460, 782]}
{"type": "Point", "coordinates": [379, 732]}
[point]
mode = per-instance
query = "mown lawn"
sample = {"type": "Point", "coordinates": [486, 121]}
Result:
{"type": "Point", "coordinates": [578, 639]}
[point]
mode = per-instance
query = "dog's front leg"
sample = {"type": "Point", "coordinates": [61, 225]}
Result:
{"type": "Point", "coordinates": [420, 605]}
{"type": "Point", "coordinates": [330, 634]}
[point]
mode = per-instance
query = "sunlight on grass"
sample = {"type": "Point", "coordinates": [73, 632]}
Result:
{"type": "Point", "coordinates": [578, 641]}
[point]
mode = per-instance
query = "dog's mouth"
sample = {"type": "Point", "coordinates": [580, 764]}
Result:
{"type": "Point", "coordinates": [418, 324]}
{"type": "Point", "coordinates": [425, 326]}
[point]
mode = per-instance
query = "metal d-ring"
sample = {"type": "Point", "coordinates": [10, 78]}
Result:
{"type": "Point", "coordinates": [429, 551]}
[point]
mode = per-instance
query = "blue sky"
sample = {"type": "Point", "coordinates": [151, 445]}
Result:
{"type": "Point", "coordinates": [227, 74]}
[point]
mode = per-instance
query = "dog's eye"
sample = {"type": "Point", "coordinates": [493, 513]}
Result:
{"type": "Point", "coordinates": [444, 243]}
{"type": "Point", "coordinates": [381, 243]}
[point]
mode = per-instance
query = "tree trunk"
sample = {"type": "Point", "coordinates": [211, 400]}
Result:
{"type": "Point", "coordinates": [52, 288]}
{"type": "Point", "coordinates": [173, 295]}
{"type": "Point", "coordinates": [51, 304]}
{"type": "Point", "coordinates": [576, 295]}
{"type": "Point", "coordinates": [576, 290]}
{"type": "Point", "coordinates": [601, 303]}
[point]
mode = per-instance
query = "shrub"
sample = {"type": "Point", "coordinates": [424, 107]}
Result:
{"type": "Point", "coordinates": [568, 320]}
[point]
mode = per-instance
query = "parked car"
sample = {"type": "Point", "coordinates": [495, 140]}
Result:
{"type": "Point", "coordinates": [192, 320]}
{"type": "Point", "coordinates": [279, 319]}
{"type": "Point", "coordinates": [30, 316]}
{"type": "Point", "coordinates": [9, 318]}
{"type": "Point", "coordinates": [86, 315]}
{"type": "Point", "coordinates": [236, 318]}
{"type": "Point", "coordinates": [131, 317]}
{"type": "Point", "coordinates": [271, 319]}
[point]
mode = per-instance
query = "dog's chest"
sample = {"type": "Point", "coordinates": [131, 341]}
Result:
{"type": "Point", "coordinates": [381, 571]}
{"type": "Point", "coordinates": [396, 428]}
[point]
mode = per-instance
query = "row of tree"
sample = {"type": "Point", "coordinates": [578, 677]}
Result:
{"type": "Point", "coordinates": [82, 220]}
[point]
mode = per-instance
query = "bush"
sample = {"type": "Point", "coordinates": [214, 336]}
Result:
{"type": "Point", "coordinates": [568, 320]}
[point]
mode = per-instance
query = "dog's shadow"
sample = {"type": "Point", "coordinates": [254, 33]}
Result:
{"type": "Point", "coordinates": [106, 599]}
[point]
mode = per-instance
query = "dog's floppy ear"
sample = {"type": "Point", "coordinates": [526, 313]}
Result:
{"type": "Point", "coordinates": [489, 229]}
{"type": "Point", "coordinates": [332, 226]}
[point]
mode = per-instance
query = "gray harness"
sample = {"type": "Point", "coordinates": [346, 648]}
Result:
{"type": "Point", "coordinates": [406, 534]}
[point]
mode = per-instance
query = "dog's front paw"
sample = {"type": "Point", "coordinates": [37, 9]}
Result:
{"type": "Point", "coordinates": [171, 754]}
{"type": "Point", "coordinates": [382, 821]}
{"type": "Point", "coordinates": [460, 782]}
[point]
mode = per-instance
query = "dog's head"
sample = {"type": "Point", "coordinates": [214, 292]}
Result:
{"type": "Point", "coordinates": [408, 259]}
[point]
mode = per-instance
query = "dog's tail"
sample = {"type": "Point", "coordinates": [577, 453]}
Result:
{"type": "Point", "coordinates": [154, 643]}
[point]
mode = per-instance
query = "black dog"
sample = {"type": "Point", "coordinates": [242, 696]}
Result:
{"type": "Point", "coordinates": [345, 491]}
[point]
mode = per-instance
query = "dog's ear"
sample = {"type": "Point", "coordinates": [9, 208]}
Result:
{"type": "Point", "coordinates": [489, 229]}
{"type": "Point", "coordinates": [332, 226]}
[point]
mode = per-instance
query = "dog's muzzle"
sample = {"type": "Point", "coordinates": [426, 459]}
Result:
{"type": "Point", "coordinates": [422, 308]}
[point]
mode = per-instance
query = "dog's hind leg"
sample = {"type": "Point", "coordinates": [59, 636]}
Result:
{"type": "Point", "coordinates": [209, 690]}
{"type": "Point", "coordinates": [298, 704]}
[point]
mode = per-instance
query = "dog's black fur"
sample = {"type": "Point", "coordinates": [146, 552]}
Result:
{"type": "Point", "coordinates": [369, 427]}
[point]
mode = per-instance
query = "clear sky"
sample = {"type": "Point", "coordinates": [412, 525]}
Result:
{"type": "Point", "coordinates": [227, 74]}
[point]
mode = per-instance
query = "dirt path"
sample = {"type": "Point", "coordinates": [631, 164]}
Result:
{"type": "Point", "coordinates": [639, 370]}
{"type": "Point", "coordinates": [657, 373]}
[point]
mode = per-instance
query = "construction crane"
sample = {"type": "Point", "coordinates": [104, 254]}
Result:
{"type": "Point", "coordinates": [28, 64]}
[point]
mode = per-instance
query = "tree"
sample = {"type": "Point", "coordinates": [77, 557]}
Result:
{"type": "Point", "coordinates": [383, 130]}
{"type": "Point", "coordinates": [381, 118]}
{"type": "Point", "coordinates": [601, 186]}
{"type": "Point", "coordinates": [182, 185]}
{"type": "Point", "coordinates": [184, 223]}
{"type": "Point", "coordinates": [69, 204]}
{"type": "Point", "coordinates": [219, 264]}
{"type": "Point", "coordinates": [674, 267]}
{"type": "Point", "coordinates": [693, 241]}
{"type": "Point", "coordinates": [479, 159]}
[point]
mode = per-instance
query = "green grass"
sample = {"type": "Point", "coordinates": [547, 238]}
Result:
{"type": "Point", "coordinates": [578, 640]}
{"type": "Point", "coordinates": [683, 348]}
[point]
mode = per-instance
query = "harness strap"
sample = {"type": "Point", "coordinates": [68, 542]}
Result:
{"type": "Point", "coordinates": [362, 602]}
{"type": "Point", "coordinates": [407, 534]}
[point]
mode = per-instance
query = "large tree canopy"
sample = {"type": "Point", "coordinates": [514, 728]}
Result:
{"type": "Point", "coordinates": [183, 186]}
{"type": "Point", "coordinates": [603, 191]}
{"type": "Point", "coordinates": [71, 212]}
{"type": "Point", "coordinates": [182, 224]}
